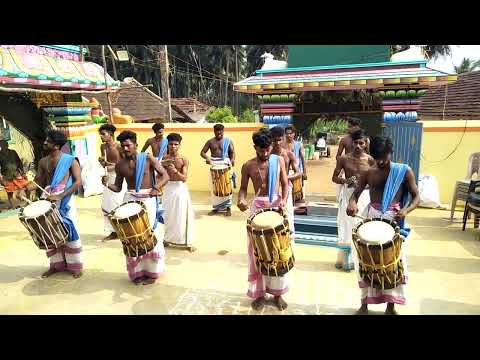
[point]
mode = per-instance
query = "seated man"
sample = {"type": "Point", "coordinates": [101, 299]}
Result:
{"type": "Point", "coordinates": [390, 184]}
{"type": "Point", "coordinates": [138, 170]}
{"type": "Point", "coordinates": [178, 215]}
{"type": "Point", "coordinates": [12, 176]}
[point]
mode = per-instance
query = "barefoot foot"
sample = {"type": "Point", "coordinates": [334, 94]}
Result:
{"type": "Point", "coordinates": [139, 280]}
{"type": "Point", "coordinates": [390, 310]}
{"type": "Point", "coordinates": [363, 310]}
{"type": "Point", "coordinates": [258, 304]}
{"type": "Point", "coordinates": [228, 212]}
{"type": "Point", "coordinates": [76, 274]}
{"type": "Point", "coordinates": [213, 212]}
{"type": "Point", "coordinates": [148, 281]}
{"type": "Point", "coordinates": [280, 303]}
{"type": "Point", "coordinates": [112, 236]}
{"type": "Point", "coordinates": [49, 272]}
{"type": "Point", "coordinates": [192, 249]}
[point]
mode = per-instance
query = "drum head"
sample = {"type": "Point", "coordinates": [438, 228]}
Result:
{"type": "Point", "coordinates": [267, 220]}
{"type": "Point", "coordinates": [219, 167]}
{"type": "Point", "coordinates": [37, 208]}
{"type": "Point", "coordinates": [127, 210]}
{"type": "Point", "coordinates": [376, 232]}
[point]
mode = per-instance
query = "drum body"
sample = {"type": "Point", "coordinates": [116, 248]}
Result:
{"type": "Point", "coordinates": [222, 180]}
{"type": "Point", "coordinates": [378, 243]}
{"type": "Point", "coordinates": [270, 234]}
{"type": "Point", "coordinates": [297, 191]}
{"type": "Point", "coordinates": [44, 223]}
{"type": "Point", "coordinates": [130, 222]}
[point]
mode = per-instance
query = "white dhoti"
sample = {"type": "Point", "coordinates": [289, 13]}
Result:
{"type": "Point", "coordinates": [69, 256]}
{"type": "Point", "coordinates": [259, 284]}
{"type": "Point", "coordinates": [110, 200]}
{"type": "Point", "coordinates": [371, 295]}
{"type": "Point", "coordinates": [178, 215]}
{"type": "Point", "coordinates": [220, 203]}
{"type": "Point", "coordinates": [152, 264]}
{"type": "Point", "coordinates": [347, 223]}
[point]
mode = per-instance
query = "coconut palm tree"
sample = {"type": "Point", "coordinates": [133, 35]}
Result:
{"type": "Point", "coordinates": [467, 65]}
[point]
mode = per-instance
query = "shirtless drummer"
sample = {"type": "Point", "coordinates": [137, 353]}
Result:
{"type": "Point", "coordinates": [354, 164]}
{"type": "Point", "coordinates": [263, 170]}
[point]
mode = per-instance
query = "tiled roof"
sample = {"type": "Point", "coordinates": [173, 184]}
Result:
{"type": "Point", "coordinates": [140, 103]}
{"type": "Point", "coordinates": [344, 77]}
{"type": "Point", "coordinates": [461, 99]}
{"type": "Point", "coordinates": [193, 109]}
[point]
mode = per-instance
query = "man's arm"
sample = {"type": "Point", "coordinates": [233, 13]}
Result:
{"type": "Point", "coordinates": [304, 163]}
{"type": "Point", "coordinates": [341, 147]}
{"type": "Point", "coordinates": [182, 174]}
{"type": "Point", "coordinates": [39, 178]}
{"type": "Point", "coordinates": [338, 169]}
{"type": "Point", "coordinates": [413, 189]}
{"type": "Point", "coordinates": [77, 181]}
{"type": "Point", "coordinates": [352, 204]}
{"type": "Point", "coordinates": [242, 193]}
{"type": "Point", "coordinates": [19, 163]}
{"type": "Point", "coordinates": [231, 153]}
{"type": "Point", "coordinates": [296, 170]}
{"type": "Point", "coordinates": [146, 145]}
{"type": "Point", "coordinates": [283, 182]}
{"type": "Point", "coordinates": [160, 170]}
{"type": "Point", "coordinates": [203, 153]}
{"type": "Point", "coordinates": [117, 186]}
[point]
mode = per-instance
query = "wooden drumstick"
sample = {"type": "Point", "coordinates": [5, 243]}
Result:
{"type": "Point", "coordinates": [45, 191]}
{"type": "Point", "coordinates": [25, 199]}
{"type": "Point", "coordinates": [106, 163]}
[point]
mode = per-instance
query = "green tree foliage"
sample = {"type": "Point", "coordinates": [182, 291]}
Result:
{"type": "Point", "coordinates": [247, 116]}
{"type": "Point", "coordinates": [467, 65]}
{"type": "Point", "coordinates": [221, 115]}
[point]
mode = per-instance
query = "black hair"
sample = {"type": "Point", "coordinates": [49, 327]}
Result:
{"type": "Point", "coordinates": [380, 146]}
{"type": "Point", "coordinates": [218, 127]}
{"type": "Point", "coordinates": [108, 127]}
{"type": "Point", "coordinates": [354, 121]}
{"type": "Point", "coordinates": [262, 138]}
{"type": "Point", "coordinates": [277, 131]}
{"type": "Point", "coordinates": [57, 137]}
{"type": "Point", "coordinates": [174, 137]}
{"type": "Point", "coordinates": [358, 134]}
{"type": "Point", "coordinates": [127, 135]}
{"type": "Point", "coordinates": [157, 127]}
{"type": "Point", "coordinates": [290, 128]}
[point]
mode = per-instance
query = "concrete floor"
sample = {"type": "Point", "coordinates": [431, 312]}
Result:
{"type": "Point", "coordinates": [444, 265]}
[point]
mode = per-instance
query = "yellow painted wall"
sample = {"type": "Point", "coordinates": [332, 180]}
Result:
{"type": "Point", "coordinates": [439, 139]}
{"type": "Point", "coordinates": [193, 138]}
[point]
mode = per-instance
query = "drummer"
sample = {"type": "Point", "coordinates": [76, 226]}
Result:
{"type": "Point", "coordinates": [138, 171]}
{"type": "Point", "coordinates": [158, 143]}
{"type": "Point", "coordinates": [346, 143]}
{"type": "Point", "coordinates": [59, 174]}
{"type": "Point", "coordinates": [390, 184]}
{"type": "Point", "coordinates": [222, 153]}
{"type": "Point", "coordinates": [354, 165]}
{"type": "Point", "coordinates": [111, 153]}
{"type": "Point", "coordinates": [278, 137]}
{"type": "Point", "coordinates": [263, 170]}
{"type": "Point", "coordinates": [297, 148]}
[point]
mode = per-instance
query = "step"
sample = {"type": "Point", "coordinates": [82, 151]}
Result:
{"type": "Point", "coordinates": [318, 240]}
{"type": "Point", "coordinates": [320, 208]}
{"type": "Point", "coordinates": [326, 225]}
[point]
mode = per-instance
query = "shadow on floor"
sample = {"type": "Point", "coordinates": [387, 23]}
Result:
{"type": "Point", "coordinates": [435, 307]}
{"type": "Point", "coordinates": [12, 274]}
{"type": "Point", "coordinates": [446, 264]}
{"type": "Point", "coordinates": [176, 257]}
{"type": "Point", "coordinates": [93, 280]}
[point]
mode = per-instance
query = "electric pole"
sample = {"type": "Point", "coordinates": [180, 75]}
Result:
{"type": "Point", "coordinates": [164, 73]}
{"type": "Point", "coordinates": [110, 119]}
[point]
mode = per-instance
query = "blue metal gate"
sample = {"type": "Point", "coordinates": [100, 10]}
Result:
{"type": "Point", "coordinates": [407, 143]}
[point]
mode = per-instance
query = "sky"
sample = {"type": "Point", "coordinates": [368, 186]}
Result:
{"type": "Point", "coordinates": [447, 63]}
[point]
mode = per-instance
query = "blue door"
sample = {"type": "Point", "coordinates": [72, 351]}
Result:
{"type": "Point", "coordinates": [407, 143]}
